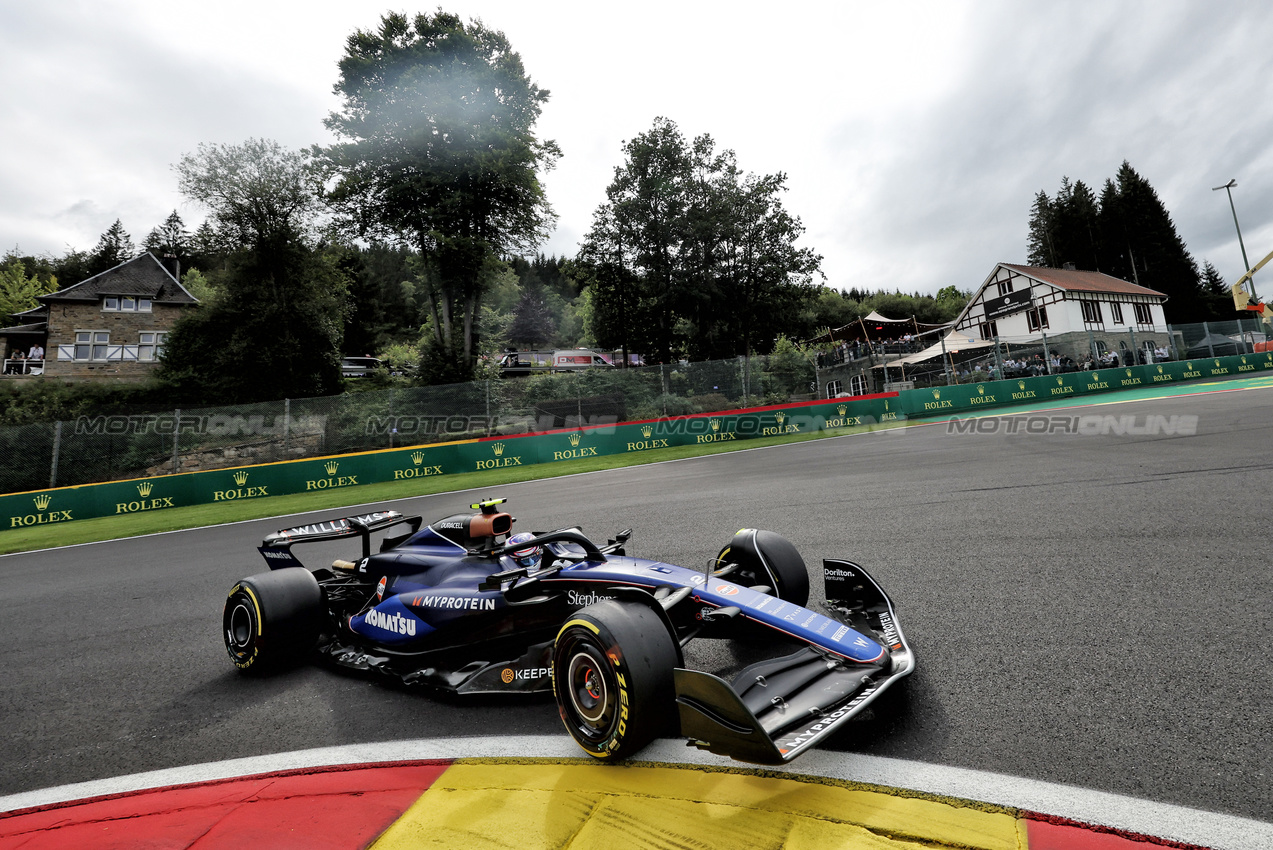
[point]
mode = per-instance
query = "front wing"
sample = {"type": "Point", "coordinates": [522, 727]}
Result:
{"type": "Point", "coordinates": [774, 710]}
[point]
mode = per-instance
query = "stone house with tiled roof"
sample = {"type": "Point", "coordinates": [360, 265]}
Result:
{"type": "Point", "coordinates": [111, 325]}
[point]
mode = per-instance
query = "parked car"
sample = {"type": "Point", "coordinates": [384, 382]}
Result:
{"type": "Point", "coordinates": [359, 367]}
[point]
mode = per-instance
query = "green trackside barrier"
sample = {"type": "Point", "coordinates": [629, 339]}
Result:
{"type": "Point", "coordinates": [121, 498]}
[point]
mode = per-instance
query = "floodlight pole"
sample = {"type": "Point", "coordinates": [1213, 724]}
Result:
{"type": "Point", "coordinates": [1246, 266]}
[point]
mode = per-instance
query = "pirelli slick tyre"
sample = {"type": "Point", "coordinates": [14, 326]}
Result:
{"type": "Point", "coordinates": [612, 677]}
{"type": "Point", "coordinates": [767, 559]}
{"type": "Point", "coordinates": [272, 619]}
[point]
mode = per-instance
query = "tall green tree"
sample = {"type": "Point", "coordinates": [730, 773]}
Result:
{"type": "Point", "coordinates": [18, 290]}
{"type": "Point", "coordinates": [439, 151]}
{"type": "Point", "coordinates": [170, 238]}
{"type": "Point", "coordinates": [689, 255]}
{"type": "Point", "coordinates": [275, 327]}
{"type": "Point", "coordinates": [1127, 233]}
{"type": "Point", "coordinates": [114, 247]}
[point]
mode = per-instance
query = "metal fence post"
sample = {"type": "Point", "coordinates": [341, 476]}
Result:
{"type": "Point", "coordinates": [1206, 334]}
{"type": "Point", "coordinates": [57, 448]}
{"type": "Point", "coordinates": [176, 440]}
{"type": "Point", "coordinates": [1047, 356]}
{"type": "Point", "coordinates": [287, 423]}
{"type": "Point", "coordinates": [998, 360]}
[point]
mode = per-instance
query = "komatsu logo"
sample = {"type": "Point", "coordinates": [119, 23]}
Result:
{"type": "Point", "coordinates": [395, 623]}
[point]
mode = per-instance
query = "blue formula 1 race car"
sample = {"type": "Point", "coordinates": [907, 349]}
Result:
{"type": "Point", "coordinates": [466, 606]}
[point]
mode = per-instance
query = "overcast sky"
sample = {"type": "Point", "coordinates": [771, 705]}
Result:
{"type": "Point", "coordinates": [915, 135]}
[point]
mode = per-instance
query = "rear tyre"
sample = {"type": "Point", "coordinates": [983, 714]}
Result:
{"type": "Point", "coordinates": [768, 559]}
{"type": "Point", "coordinates": [612, 678]}
{"type": "Point", "coordinates": [272, 619]}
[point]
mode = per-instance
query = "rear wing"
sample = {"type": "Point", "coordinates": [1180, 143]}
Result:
{"type": "Point", "coordinates": [276, 547]}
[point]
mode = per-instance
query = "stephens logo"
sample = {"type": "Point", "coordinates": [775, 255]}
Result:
{"type": "Point", "coordinates": [726, 590]}
{"type": "Point", "coordinates": [574, 597]}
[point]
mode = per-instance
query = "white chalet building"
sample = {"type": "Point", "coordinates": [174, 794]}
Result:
{"type": "Point", "coordinates": [1025, 302]}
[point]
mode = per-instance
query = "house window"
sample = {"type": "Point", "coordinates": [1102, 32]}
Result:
{"type": "Point", "coordinates": [1038, 318]}
{"type": "Point", "coordinates": [1143, 316]}
{"type": "Point", "coordinates": [1005, 287]}
{"type": "Point", "coordinates": [857, 385]}
{"type": "Point", "coordinates": [150, 345]}
{"type": "Point", "coordinates": [91, 345]}
{"type": "Point", "coordinates": [1092, 312]}
{"type": "Point", "coordinates": [989, 330]}
{"type": "Point", "coordinates": [1116, 311]}
{"type": "Point", "coordinates": [125, 304]}
{"type": "Point", "coordinates": [834, 389]}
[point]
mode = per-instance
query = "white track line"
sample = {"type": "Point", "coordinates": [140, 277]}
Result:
{"type": "Point", "coordinates": [1176, 823]}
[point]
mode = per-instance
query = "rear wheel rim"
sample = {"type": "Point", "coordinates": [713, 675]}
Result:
{"type": "Point", "coordinates": [590, 693]}
{"type": "Point", "coordinates": [240, 629]}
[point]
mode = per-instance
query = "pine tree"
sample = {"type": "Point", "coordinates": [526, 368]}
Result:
{"type": "Point", "coordinates": [115, 247]}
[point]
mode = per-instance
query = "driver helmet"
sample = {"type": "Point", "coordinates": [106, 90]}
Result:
{"type": "Point", "coordinates": [528, 557]}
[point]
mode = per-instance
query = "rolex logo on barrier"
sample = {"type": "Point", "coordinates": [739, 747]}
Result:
{"type": "Point", "coordinates": [333, 482]}
{"type": "Point", "coordinates": [575, 451]}
{"type": "Point", "coordinates": [1021, 385]}
{"type": "Point", "coordinates": [937, 403]}
{"type": "Point", "coordinates": [145, 503]}
{"type": "Point", "coordinates": [1061, 388]}
{"type": "Point", "coordinates": [844, 408]}
{"type": "Point", "coordinates": [842, 420]}
{"type": "Point", "coordinates": [1245, 367]}
{"type": "Point", "coordinates": [784, 427]}
{"type": "Point", "coordinates": [936, 394]}
{"type": "Point", "coordinates": [981, 389]}
{"type": "Point", "coordinates": [1022, 394]}
{"type": "Point", "coordinates": [981, 397]}
{"type": "Point", "coordinates": [1161, 376]}
{"type": "Point", "coordinates": [1130, 380]}
{"type": "Point", "coordinates": [417, 468]}
{"type": "Point", "coordinates": [647, 431]}
{"type": "Point", "coordinates": [717, 435]}
{"type": "Point", "coordinates": [239, 491]}
{"type": "Point", "coordinates": [1218, 369]}
{"type": "Point", "coordinates": [1191, 372]}
{"type": "Point", "coordinates": [44, 515]}
{"type": "Point", "coordinates": [499, 461]}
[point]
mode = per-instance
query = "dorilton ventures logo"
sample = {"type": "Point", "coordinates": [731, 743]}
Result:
{"type": "Point", "coordinates": [418, 469]}
{"type": "Point", "coordinates": [240, 491]}
{"type": "Point", "coordinates": [334, 480]}
{"type": "Point", "coordinates": [144, 490]}
{"type": "Point", "coordinates": [44, 516]}
{"type": "Point", "coordinates": [499, 461]}
{"type": "Point", "coordinates": [576, 450]}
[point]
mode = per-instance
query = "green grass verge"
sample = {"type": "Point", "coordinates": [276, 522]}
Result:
{"type": "Point", "coordinates": [196, 516]}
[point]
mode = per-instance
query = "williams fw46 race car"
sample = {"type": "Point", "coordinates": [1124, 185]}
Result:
{"type": "Point", "coordinates": [466, 606]}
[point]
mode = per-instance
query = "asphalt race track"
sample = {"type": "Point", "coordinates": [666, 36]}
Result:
{"type": "Point", "coordinates": [1086, 609]}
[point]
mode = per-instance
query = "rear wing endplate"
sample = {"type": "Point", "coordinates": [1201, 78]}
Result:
{"type": "Point", "coordinates": [276, 547]}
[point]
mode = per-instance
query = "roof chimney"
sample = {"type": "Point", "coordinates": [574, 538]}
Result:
{"type": "Point", "coordinates": [173, 265]}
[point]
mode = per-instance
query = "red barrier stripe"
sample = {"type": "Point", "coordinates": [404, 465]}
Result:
{"type": "Point", "coordinates": [1045, 832]}
{"type": "Point", "coordinates": [341, 808]}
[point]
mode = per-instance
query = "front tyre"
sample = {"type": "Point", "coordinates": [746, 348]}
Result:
{"type": "Point", "coordinates": [272, 618]}
{"type": "Point", "coordinates": [767, 559]}
{"type": "Point", "coordinates": [612, 677]}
